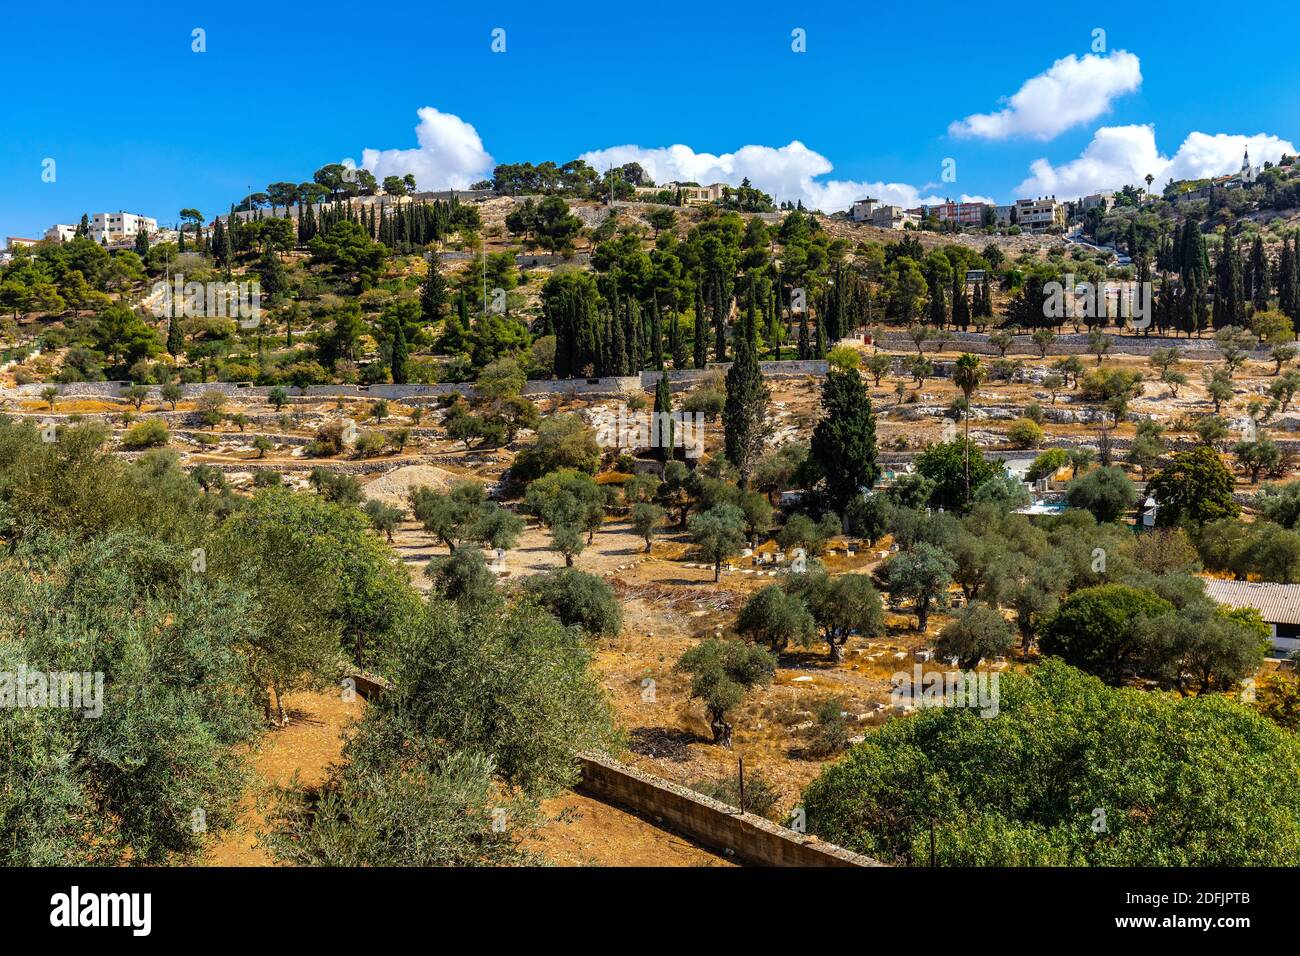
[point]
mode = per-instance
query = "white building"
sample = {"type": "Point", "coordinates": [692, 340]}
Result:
{"type": "Point", "coordinates": [61, 233]}
{"type": "Point", "coordinates": [1102, 200]}
{"type": "Point", "coordinates": [107, 227]}
{"type": "Point", "coordinates": [893, 217]}
{"type": "Point", "coordinates": [115, 226]}
{"type": "Point", "coordinates": [1278, 605]}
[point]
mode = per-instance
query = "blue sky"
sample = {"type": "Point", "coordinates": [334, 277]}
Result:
{"type": "Point", "coordinates": [134, 119]}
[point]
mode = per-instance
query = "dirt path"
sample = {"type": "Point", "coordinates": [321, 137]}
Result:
{"type": "Point", "coordinates": [584, 831]}
{"type": "Point", "coordinates": [588, 832]}
{"type": "Point", "coordinates": [312, 741]}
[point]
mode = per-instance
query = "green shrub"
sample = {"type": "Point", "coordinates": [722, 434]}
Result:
{"type": "Point", "coordinates": [151, 433]}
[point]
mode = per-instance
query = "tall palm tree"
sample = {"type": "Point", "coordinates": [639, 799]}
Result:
{"type": "Point", "coordinates": [967, 375]}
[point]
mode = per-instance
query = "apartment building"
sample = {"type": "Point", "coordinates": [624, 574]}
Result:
{"type": "Point", "coordinates": [1039, 215]}
{"type": "Point", "coordinates": [962, 213]}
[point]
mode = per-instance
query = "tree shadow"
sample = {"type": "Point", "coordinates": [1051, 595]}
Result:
{"type": "Point", "coordinates": [669, 743]}
{"type": "Point", "coordinates": [806, 659]}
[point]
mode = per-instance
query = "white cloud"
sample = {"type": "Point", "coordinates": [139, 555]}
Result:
{"type": "Point", "coordinates": [1121, 156]}
{"type": "Point", "coordinates": [1073, 90]}
{"type": "Point", "coordinates": [450, 154]}
{"type": "Point", "coordinates": [786, 173]}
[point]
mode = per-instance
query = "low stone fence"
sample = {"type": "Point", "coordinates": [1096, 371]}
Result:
{"type": "Point", "coordinates": [1068, 344]}
{"type": "Point", "coordinates": [752, 839]}
{"type": "Point", "coordinates": [609, 386]}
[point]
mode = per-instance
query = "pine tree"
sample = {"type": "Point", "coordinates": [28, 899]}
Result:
{"type": "Point", "coordinates": [141, 243]}
{"type": "Point", "coordinates": [744, 415]}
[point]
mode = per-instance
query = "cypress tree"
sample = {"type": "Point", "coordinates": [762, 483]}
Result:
{"type": "Point", "coordinates": [142, 243]}
{"type": "Point", "coordinates": [938, 310]}
{"type": "Point", "coordinates": [804, 346]}
{"type": "Point", "coordinates": [719, 322]}
{"type": "Point", "coordinates": [1229, 307]}
{"type": "Point", "coordinates": [620, 363]}
{"type": "Point", "coordinates": [1295, 277]}
{"type": "Point", "coordinates": [635, 343]}
{"type": "Point", "coordinates": [401, 354]}
{"type": "Point", "coordinates": [663, 417]}
{"type": "Point", "coordinates": [433, 292]}
{"type": "Point", "coordinates": [744, 415]}
{"type": "Point", "coordinates": [175, 337]}
{"type": "Point", "coordinates": [1259, 285]}
{"type": "Point", "coordinates": [960, 304]}
{"type": "Point", "coordinates": [774, 323]}
{"type": "Point", "coordinates": [701, 341]}
{"type": "Point", "coordinates": [1285, 276]}
{"type": "Point", "coordinates": [675, 353]}
{"type": "Point", "coordinates": [271, 272]}
{"type": "Point", "coordinates": [656, 336]}
{"type": "Point", "coordinates": [1144, 282]}
{"type": "Point", "coordinates": [843, 446]}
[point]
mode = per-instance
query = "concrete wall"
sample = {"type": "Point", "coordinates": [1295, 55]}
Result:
{"type": "Point", "coordinates": [751, 838]}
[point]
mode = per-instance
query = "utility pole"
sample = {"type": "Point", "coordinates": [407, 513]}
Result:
{"type": "Point", "coordinates": [741, 762]}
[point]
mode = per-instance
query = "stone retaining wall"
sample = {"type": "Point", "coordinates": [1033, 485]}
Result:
{"type": "Point", "coordinates": [752, 839]}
